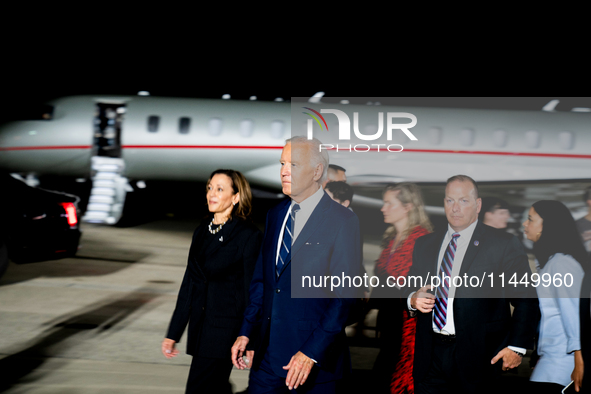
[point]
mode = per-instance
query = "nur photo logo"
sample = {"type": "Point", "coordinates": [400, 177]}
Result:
{"type": "Point", "coordinates": [344, 132]}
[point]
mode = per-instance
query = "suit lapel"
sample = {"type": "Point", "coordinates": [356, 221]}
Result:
{"type": "Point", "coordinates": [198, 245]}
{"type": "Point", "coordinates": [473, 248]}
{"type": "Point", "coordinates": [314, 221]}
{"type": "Point", "coordinates": [433, 252]}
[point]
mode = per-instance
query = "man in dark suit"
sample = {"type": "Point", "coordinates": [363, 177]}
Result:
{"type": "Point", "coordinates": [300, 340]}
{"type": "Point", "coordinates": [467, 334]}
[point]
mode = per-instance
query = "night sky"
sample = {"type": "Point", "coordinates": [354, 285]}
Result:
{"type": "Point", "coordinates": [60, 60]}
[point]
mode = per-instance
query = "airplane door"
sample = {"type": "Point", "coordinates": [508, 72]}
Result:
{"type": "Point", "coordinates": [109, 184]}
{"type": "Point", "coordinates": [108, 122]}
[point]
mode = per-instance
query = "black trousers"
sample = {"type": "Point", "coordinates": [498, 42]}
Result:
{"type": "Point", "coordinates": [209, 375]}
{"type": "Point", "coordinates": [443, 375]}
{"type": "Point", "coordinates": [546, 388]}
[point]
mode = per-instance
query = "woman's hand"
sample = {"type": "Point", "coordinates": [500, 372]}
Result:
{"type": "Point", "coordinates": [168, 348]}
{"type": "Point", "coordinates": [577, 375]}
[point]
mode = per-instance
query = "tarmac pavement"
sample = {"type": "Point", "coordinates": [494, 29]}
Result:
{"type": "Point", "coordinates": [94, 323]}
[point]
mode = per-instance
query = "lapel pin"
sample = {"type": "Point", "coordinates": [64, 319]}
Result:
{"type": "Point", "coordinates": [222, 238]}
{"type": "Point", "coordinates": [476, 243]}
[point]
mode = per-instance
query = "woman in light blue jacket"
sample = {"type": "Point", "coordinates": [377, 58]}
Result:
{"type": "Point", "coordinates": [560, 255]}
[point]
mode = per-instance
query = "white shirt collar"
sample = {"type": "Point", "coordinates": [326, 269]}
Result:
{"type": "Point", "coordinates": [310, 203]}
{"type": "Point", "coordinates": [465, 234]}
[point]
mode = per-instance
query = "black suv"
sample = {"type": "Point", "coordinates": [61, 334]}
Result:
{"type": "Point", "coordinates": [36, 224]}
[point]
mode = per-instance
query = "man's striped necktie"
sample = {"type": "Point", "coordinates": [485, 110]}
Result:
{"type": "Point", "coordinates": [284, 253]}
{"type": "Point", "coordinates": [442, 294]}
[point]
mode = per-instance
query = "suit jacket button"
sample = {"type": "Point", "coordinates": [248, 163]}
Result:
{"type": "Point", "coordinates": [278, 291]}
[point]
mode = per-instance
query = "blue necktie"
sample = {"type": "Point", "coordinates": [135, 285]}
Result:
{"type": "Point", "coordinates": [287, 240]}
{"type": "Point", "coordinates": [442, 294]}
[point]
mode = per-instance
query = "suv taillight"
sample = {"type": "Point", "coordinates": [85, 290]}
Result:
{"type": "Point", "coordinates": [70, 209]}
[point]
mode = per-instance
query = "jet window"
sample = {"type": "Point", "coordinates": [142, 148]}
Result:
{"type": "Point", "coordinates": [467, 137]}
{"type": "Point", "coordinates": [277, 129]}
{"type": "Point", "coordinates": [246, 127]}
{"type": "Point", "coordinates": [184, 125]}
{"type": "Point", "coordinates": [215, 126]}
{"type": "Point", "coordinates": [532, 139]}
{"type": "Point", "coordinates": [567, 140]}
{"type": "Point", "coordinates": [435, 135]}
{"type": "Point", "coordinates": [153, 123]}
{"type": "Point", "coordinates": [500, 138]}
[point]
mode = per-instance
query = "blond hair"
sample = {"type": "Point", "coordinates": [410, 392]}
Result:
{"type": "Point", "coordinates": [408, 193]}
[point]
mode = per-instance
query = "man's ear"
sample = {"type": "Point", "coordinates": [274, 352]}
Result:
{"type": "Point", "coordinates": [318, 170]}
{"type": "Point", "coordinates": [346, 203]}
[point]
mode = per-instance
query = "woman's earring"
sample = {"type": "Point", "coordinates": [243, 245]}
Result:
{"type": "Point", "coordinates": [233, 203]}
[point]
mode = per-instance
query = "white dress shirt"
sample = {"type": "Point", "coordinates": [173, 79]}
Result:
{"type": "Point", "coordinates": [301, 217]}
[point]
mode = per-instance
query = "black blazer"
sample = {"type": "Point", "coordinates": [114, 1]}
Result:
{"type": "Point", "coordinates": [214, 292]}
{"type": "Point", "coordinates": [484, 326]}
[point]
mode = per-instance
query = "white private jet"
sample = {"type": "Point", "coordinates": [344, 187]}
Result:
{"type": "Point", "coordinates": [122, 140]}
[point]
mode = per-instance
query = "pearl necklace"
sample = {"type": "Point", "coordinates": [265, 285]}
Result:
{"type": "Point", "coordinates": [217, 229]}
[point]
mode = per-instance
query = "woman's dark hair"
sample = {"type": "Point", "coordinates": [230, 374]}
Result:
{"type": "Point", "coordinates": [239, 185]}
{"type": "Point", "coordinates": [559, 233]}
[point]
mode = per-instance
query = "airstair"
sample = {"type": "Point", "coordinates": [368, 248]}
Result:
{"type": "Point", "coordinates": [108, 192]}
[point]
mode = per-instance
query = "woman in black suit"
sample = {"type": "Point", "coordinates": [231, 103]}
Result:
{"type": "Point", "coordinates": [214, 292]}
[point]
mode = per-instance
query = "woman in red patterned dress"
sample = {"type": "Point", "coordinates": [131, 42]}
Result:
{"type": "Point", "coordinates": [404, 210]}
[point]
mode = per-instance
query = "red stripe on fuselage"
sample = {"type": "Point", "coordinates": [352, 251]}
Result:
{"type": "Point", "coordinates": [46, 147]}
{"type": "Point", "coordinates": [525, 154]}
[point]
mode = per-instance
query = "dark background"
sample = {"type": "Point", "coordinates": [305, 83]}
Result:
{"type": "Point", "coordinates": [52, 50]}
{"type": "Point", "coordinates": [56, 60]}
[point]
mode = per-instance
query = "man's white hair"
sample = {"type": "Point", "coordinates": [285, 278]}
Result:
{"type": "Point", "coordinates": [317, 156]}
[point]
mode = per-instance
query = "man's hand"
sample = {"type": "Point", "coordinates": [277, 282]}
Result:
{"type": "Point", "coordinates": [238, 351]}
{"type": "Point", "coordinates": [510, 359]}
{"type": "Point", "coordinates": [168, 348]}
{"type": "Point", "coordinates": [422, 300]}
{"type": "Point", "coordinates": [299, 368]}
